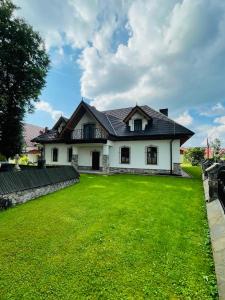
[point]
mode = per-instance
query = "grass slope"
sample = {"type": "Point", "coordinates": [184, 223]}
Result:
{"type": "Point", "coordinates": [116, 237]}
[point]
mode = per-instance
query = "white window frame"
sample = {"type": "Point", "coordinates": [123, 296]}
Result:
{"type": "Point", "coordinates": [120, 158]}
{"type": "Point", "coordinates": [55, 148]}
{"type": "Point", "coordinates": [146, 155]}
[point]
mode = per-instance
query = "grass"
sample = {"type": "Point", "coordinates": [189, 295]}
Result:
{"type": "Point", "coordinates": [109, 237]}
{"type": "Point", "coordinates": [194, 171]}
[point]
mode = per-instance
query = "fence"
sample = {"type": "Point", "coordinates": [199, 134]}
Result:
{"type": "Point", "coordinates": [11, 182]}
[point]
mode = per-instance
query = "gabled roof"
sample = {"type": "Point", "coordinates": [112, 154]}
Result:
{"type": "Point", "coordinates": [60, 120]}
{"type": "Point", "coordinates": [114, 122]}
{"type": "Point", "coordinates": [96, 114]}
{"type": "Point", "coordinates": [135, 110]}
{"type": "Point", "coordinates": [29, 132]}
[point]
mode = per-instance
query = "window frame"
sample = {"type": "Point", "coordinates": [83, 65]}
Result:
{"type": "Point", "coordinates": [141, 123]}
{"type": "Point", "coordinates": [69, 159]}
{"type": "Point", "coordinates": [57, 156]}
{"type": "Point", "coordinates": [157, 155]}
{"type": "Point", "coordinates": [129, 160]}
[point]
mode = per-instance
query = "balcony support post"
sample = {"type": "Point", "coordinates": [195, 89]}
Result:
{"type": "Point", "coordinates": [105, 159]}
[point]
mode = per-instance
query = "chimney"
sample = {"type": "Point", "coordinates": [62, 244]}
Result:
{"type": "Point", "coordinates": [164, 111]}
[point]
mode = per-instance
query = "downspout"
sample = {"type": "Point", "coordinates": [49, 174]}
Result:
{"type": "Point", "coordinates": [171, 157]}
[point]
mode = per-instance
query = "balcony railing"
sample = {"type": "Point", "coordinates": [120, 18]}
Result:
{"type": "Point", "coordinates": [91, 134]}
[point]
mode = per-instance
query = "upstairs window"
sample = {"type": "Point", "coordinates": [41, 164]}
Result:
{"type": "Point", "coordinates": [125, 155]}
{"type": "Point", "coordinates": [69, 154]}
{"type": "Point", "coordinates": [137, 124]}
{"type": "Point", "coordinates": [152, 155]}
{"type": "Point", "coordinates": [55, 154]}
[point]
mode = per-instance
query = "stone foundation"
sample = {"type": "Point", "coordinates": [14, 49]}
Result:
{"type": "Point", "coordinates": [24, 196]}
{"type": "Point", "coordinates": [105, 163]}
{"type": "Point", "coordinates": [137, 171]}
{"type": "Point", "coordinates": [74, 162]}
{"type": "Point", "coordinates": [88, 168]}
{"type": "Point", "coordinates": [176, 169]}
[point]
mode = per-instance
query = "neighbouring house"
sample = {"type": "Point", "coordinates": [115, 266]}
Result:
{"type": "Point", "coordinates": [31, 149]}
{"type": "Point", "coordinates": [126, 140]}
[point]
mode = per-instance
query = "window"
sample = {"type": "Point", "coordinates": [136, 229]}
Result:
{"type": "Point", "coordinates": [125, 155]}
{"type": "Point", "coordinates": [69, 154]}
{"type": "Point", "coordinates": [55, 154]}
{"type": "Point", "coordinates": [152, 155]}
{"type": "Point", "coordinates": [137, 124]}
{"type": "Point", "coordinates": [89, 131]}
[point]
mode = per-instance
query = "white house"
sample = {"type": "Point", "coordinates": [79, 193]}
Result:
{"type": "Point", "coordinates": [127, 140]}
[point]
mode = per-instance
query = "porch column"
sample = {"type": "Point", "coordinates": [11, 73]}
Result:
{"type": "Point", "coordinates": [105, 158]}
{"type": "Point", "coordinates": [74, 162]}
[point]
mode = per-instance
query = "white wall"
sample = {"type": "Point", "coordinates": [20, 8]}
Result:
{"type": "Point", "coordinates": [137, 154]}
{"type": "Point", "coordinates": [87, 118]}
{"type": "Point", "coordinates": [62, 154]}
{"type": "Point", "coordinates": [137, 116]}
{"type": "Point", "coordinates": [85, 155]}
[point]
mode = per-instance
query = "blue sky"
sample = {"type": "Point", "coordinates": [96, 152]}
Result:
{"type": "Point", "coordinates": [119, 53]}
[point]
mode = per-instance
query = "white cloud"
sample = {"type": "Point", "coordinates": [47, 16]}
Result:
{"type": "Point", "coordinates": [184, 119]}
{"type": "Point", "coordinates": [47, 107]}
{"type": "Point", "coordinates": [217, 109]}
{"type": "Point", "coordinates": [173, 55]}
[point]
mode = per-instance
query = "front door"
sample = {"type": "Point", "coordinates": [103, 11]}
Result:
{"type": "Point", "coordinates": [95, 160]}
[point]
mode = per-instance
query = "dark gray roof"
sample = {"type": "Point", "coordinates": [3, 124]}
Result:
{"type": "Point", "coordinates": [112, 121]}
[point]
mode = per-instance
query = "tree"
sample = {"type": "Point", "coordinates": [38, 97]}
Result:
{"type": "Point", "coordinates": [216, 146]}
{"type": "Point", "coordinates": [194, 155]}
{"type": "Point", "coordinates": [24, 65]}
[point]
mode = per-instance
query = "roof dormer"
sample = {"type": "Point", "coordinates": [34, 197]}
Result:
{"type": "Point", "coordinates": [137, 119]}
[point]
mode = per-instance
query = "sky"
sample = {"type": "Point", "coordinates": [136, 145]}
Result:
{"type": "Point", "coordinates": [117, 53]}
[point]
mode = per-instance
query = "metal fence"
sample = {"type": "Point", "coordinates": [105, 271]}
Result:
{"type": "Point", "coordinates": [11, 182]}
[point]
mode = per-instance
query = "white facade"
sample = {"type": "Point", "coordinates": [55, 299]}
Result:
{"type": "Point", "coordinates": [137, 154]}
{"type": "Point", "coordinates": [112, 150]}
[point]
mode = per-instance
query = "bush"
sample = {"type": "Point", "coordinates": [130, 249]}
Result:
{"type": "Point", "coordinates": [23, 160]}
{"type": "Point", "coordinates": [194, 155]}
{"type": "Point", "coordinates": [2, 157]}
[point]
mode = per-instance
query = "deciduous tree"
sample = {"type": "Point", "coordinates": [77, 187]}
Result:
{"type": "Point", "coordinates": [23, 68]}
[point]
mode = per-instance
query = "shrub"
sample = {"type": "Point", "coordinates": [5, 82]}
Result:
{"type": "Point", "coordinates": [194, 155]}
{"type": "Point", "coordinates": [2, 157]}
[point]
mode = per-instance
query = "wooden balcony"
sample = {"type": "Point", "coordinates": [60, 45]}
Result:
{"type": "Point", "coordinates": [91, 134]}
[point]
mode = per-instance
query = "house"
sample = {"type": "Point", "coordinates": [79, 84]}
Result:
{"type": "Point", "coordinates": [127, 140]}
{"type": "Point", "coordinates": [31, 149]}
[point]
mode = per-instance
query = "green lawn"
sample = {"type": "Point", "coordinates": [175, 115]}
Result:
{"type": "Point", "coordinates": [109, 237]}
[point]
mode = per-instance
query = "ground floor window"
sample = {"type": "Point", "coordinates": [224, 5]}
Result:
{"type": "Point", "coordinates": [69, 154]}
{"type": "Point", "coordinates": [55, 154]}
{"type": "Point", "coordinates": [152, 155]}
{"type": "Point", "coordinates": [125, 155]}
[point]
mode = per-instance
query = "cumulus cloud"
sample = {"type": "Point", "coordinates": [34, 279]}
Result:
{"type": "Point", "coordinates": [160, 53]}
{"type": "Point", "coordinates": [47, 107]}
{"type": "Point", "coordinates": [184, 119]}
{"type": "Point", "coordinates": [173, 53]}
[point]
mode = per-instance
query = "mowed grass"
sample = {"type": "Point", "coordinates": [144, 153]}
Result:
{"type": "Point", "coordinates": [109, 237]}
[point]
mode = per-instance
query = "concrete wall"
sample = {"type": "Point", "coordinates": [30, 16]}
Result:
{"type": "Point", "coordinates": [138, 154]}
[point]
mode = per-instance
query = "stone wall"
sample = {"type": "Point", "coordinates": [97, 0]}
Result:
{"type": "Point", "coordinates": [24, 196]}
{"type": "Point", "coordinates": [137, 171]}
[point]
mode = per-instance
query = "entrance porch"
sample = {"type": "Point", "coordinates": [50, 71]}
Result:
{"type": "Point", "coordinates": [91, 157]}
